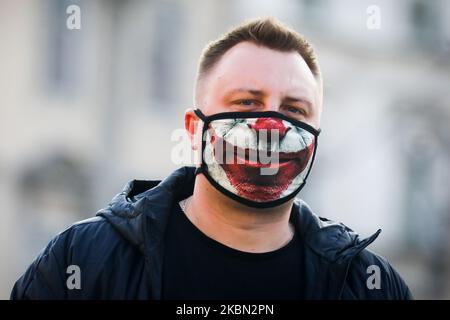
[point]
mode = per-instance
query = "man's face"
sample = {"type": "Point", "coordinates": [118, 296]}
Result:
{"type": "Point", "coordinates": [254, 78]}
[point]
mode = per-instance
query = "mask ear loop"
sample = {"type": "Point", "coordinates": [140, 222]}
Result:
{"type": "Point", "coordinates": [204, 120]}
{"type": "Point", "coordinates": [200, 114]}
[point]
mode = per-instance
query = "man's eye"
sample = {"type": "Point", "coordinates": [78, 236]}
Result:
{"type": "Point", "coordinates": [295, 110]}
{"type": "Point", "coordinates": [246, 102]}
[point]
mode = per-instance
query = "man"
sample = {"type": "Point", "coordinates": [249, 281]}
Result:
{"type": "Point", "coordinates": [231, 228]}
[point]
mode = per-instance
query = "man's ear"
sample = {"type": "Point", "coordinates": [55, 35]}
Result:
{"type": "Point", "coordinates": [191, 124]}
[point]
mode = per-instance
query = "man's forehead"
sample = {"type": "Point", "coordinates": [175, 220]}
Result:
{"type": "Point", "coordinates": [249, 55]}
{"type": "Point", "coordinates": [259, 68]}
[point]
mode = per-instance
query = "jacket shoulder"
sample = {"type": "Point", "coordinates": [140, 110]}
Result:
{"type": "Point", "coordinates": [370, 276]}
{"type": "Point", "coordinates": [86, 245]}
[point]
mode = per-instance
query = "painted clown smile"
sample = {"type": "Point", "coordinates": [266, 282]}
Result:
{"type": "Point", "coordinates": [242, 167]}
{"type": "Point", "coordinates": [261, 159]}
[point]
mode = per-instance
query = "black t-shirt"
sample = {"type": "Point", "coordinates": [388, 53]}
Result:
{"type": "Point", "coordinates": [198, 267]}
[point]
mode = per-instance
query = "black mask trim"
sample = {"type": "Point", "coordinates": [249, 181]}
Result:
{"type": "Point", "coordinates": [226, 115]}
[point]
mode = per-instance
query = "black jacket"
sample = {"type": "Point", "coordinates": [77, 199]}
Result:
{"type": "Point", "coordinates": [120, 252]}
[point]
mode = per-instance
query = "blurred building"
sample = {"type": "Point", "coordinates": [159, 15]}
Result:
{"type": "Point", "coordinates": [84, 111]}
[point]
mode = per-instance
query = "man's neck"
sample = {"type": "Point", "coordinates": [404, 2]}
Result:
{"type": "Point", "coordinates": [236, 225]}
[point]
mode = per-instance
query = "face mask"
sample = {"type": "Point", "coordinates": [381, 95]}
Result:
{"type": "Point", "coordinates": [260, 159]}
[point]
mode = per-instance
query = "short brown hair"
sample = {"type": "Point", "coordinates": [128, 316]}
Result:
{"type": "Point", "coordinates": [267, 32]}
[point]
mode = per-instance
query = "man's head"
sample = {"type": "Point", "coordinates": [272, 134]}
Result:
{"type": "Point", "coordinates": [264, 61]}
{"type": "Point", "coordinates": [259, 66]}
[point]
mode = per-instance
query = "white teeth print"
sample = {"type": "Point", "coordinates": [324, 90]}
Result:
{"type": "Point", "coordinates": [239, 134]}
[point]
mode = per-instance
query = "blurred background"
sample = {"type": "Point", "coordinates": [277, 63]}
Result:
{"type": "Point", "coordinates": [84, 110]}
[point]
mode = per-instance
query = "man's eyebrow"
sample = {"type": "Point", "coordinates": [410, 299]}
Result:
{"type": "Point", "coordinates": [258, 93]}
{"type": "Point", "coordinates": [298, 99]}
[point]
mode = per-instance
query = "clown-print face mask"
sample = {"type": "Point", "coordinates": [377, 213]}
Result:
{"type": "Point", "coordinates": [260, 159]}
